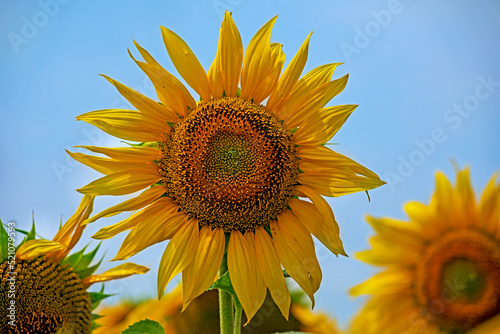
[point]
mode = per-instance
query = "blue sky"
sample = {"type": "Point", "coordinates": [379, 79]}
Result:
{"type": "Point", "coordinates": [425, 74]}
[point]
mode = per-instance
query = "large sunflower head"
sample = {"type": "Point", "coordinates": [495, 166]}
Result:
{"type": "Point", "coordinates": [229, 165]}
{"type": "Point", "coordinates": [442, 268]}
{"type": "Point", "coordinates": [44, 291]}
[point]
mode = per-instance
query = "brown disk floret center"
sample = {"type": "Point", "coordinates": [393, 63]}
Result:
{"type": "Point", "coordinates": [229, 163]}
{"type": "Point", "coordinates": [48, 298]}
{"type": "Point", "coordinates": [457, 283]}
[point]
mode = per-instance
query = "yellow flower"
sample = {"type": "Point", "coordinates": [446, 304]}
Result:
{"type": "Point", "coordinates": [42, 290]}
{"type": "Point", "coordinates": [442, 269]}
{"type": "Point", "coordinates": [229, 165]}
{"type": "Point", "coordinates": [202, 316]}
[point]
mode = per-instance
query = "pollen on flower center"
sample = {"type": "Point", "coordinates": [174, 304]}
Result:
{"type": "Point", "coordinates": [457, 281]}
{"type": "Point", "coordinates": [229, 163]}
{"type": "Point", "coordinates": [49, 298]}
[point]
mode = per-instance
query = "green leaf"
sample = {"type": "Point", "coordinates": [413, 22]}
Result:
{"type": "Point", "coordinates": [86, 259]}
{"type": "Point", "coordinates": [145, 327]}
{"type": "Point", "coordinates": [30, 235]}
{"type": "Point", "coordinates": [4, 241]}
{"type": "Point", "coordinates": [96, 297]}
{"type": "Point", "coordinates": [88, 271]}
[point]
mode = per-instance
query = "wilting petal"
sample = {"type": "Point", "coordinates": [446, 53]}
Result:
{"type": "Point", "coordinates": [270, 267]}
{"type": "Point", "coordinates": [314, 222]}
{"type": "Point", "coordinates": [201, 272]}
{"type": "Point", "coordinates": [322, 156]}
{"type": "Point", "coordinates": [337, 181]}
{"type": "Point", "coordinates": [257, 64]}
{"type": "Point", "coordinates": [164, 204]}
{"type": "Point", "coordinates": [34, 248]}
{"type": "Point", "coordinates": [290, 77]}
{"type": "Point", "coordinates": [178, 254]}
{"type": "Point", "coordinates": [186, 63]}
{"type": "Point", "coordinates": [122, 183]}
{"type": "Point", "coordinates": [321, 127]}
{"type": "Point", "coordinates": [231, 55]}
{"type": "Point", "coordinates": [121, 271]}
{"type": "Point", "coordinates": [243, 271]}
{"type": "Point", "coordinates": [144, 103]}
{"type": "Point", "coordinates": [124, 124]}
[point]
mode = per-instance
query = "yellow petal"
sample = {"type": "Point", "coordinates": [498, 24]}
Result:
{"type": "Point", "coordinates": [315, 78]}
{"type": "Point", "coordinates": [257, 64]}
{"type": "Point", "coordinates": [291, 262]}
{"type": "Point", "coordinates": [259, 280]}
{"type": "Point", "coordinates": [321, 128]}
{"type": "Point", "coordinates": [201, 272]}
{"type": "Point", "coordinates": [322, 156]}
{"type": "Point", "coordinates": [186, 63]}
{"type": "Point", "coordinates": [337, 182]}
{"type": "Point", "coordinates": [64, 235]}
{"type": "Point", "coordinates": [127, 124]}
{"type": "Point", "coordinates": [178, 254]}
{"type": "Point", "coordinates": [108, 166]}
{"type": "Point", "coordinates": [310, 103]}
{"type": "Point", "coordinates": [299, 239]}
{"type": "Point", "coordinates": [144, 103]}
{"type": "Point", "coordinates": [314, 222]}
{"type": "Point", "coordinates": [267, 86]}
{"type": "Point", "coordinates": [290, 77]}
{"type": "Point", "coordinates": [466, 199]}
{"type": "Point", "coordinates": [386, 282]}
{"type": "Point", "coordinates": [147, 233]}
{"type": "Point", "coordinates": [214, 77]}
{"type": "Point", "coordinates": [34, 248]}
{"type": "Point", "coordinates": [121, 271]}
{"type": "Point", "coordinates": [489, 326]}
{"type": "Point", "coordinates": [146, 215]}
{"type": "Point", "coordinates": [231, 55]}
{"type": "Point", "coordinates": [171, 92]}
{"type": "Point", "coordinates": [443, 198]}
{"type": "Point", "coordinates": [135, 154]}
{"type": "Point", "coordinates": [136, 203]}
{"type": "Point", "coordinates": [243, 272]}
{"type": "Point", "coordinates": [270, 267]}
{"type": "Point", "coordinates": [121, 183]}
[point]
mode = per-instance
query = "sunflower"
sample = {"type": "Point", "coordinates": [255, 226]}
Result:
{"type": "Point", "coordinates": [229, 165]}
{"type": "Point", "coordinates": [202, 316]}
{"type": "Point", "coordinates": [442, 269]}
{"type": "Point", "coordinates": [42, 290]}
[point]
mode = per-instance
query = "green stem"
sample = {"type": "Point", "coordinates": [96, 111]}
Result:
{"type": "Point", "coordinates": [225, 304]}
{"type": "Point", "coordinates": [237, 318]}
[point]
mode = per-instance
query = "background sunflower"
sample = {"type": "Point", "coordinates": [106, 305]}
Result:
{"type": "Point", "coordinates": [441, 268]}
{"type": "Point", "coordinates": [409, 62]}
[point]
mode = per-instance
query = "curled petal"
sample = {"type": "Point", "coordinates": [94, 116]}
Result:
{"type": "Point", "coordinates": [121, 271]}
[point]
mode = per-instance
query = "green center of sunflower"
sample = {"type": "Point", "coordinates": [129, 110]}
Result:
{"type": "Point", "coordinates": [42, 297]}
{"type": "Point", "coordinates": [457, 280]}
{"type": "Point", "coordinates": [229, 163]}
{"type": "Point", "coordinates": [467, 277]}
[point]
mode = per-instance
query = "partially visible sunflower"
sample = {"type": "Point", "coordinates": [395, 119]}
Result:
{"type": "Point", "coordinates": [442, 268]}
{"type": "Point", "coordinates": [42, 289]}
{"type": "Point", "coordinates": [229, 165]}
{"type": "Point", "coordinates": [202, 316]}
